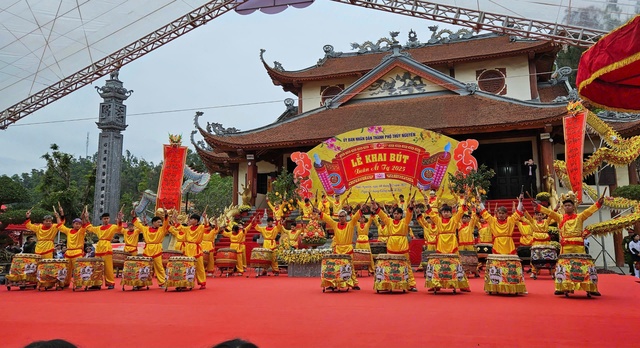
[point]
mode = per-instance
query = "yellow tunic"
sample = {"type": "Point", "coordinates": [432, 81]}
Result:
{"type": "Point", "coordinates": [447, 242]}
{"type": "Point", "coordinates": [306, 209]}
{"type": "Point", "coordinates": [571, 228]}
{"type": "Point", "coordinates": [337, 205]}
{"type": "Point", "coordinates": [209, 238]}
{"type": "Point", "coordinates": [502, 232]}
{"type": "Point", "coordinates": [237, 244]}
{"type": "Point", "coordinates": [269, 235]}
{"type": "Point", "coordinates": [44, 237]}
{"type": "Point", "coordinates": [430, 233]}
{"type": "Point", "coordinates": [541, 232]}
{"type": "Point", "coordinates": [383, 232]}
{"type": "Point", "coordinates": [75, 241]}
{"type": "Point", "coordinates": [153, 237]}
{"type": "Point", "coordinates": [105, 236]}
{"type": "Point", "coordinates": [526, 233]}
{"type": "Point", "coordinates": [193, 238]}
{"type": "Point", "coordinates": [362, 241]}
{"type": "Point", "coordinates": [398, 243]}
{"type": "Point", "coordinates": [277, 211]}
{"type": "Point", "coordinates": [325, 207]}
{"type": "Point", "coordinates": [131, 239]}
{"type": "Point", "coordinates": [465, 234]}
{"type": "Point", "coordinates": [290, 237]}
{"type": "Point", "coordinates": [342, 233]}
{"type": "Point", "coordinates": [485, 233]}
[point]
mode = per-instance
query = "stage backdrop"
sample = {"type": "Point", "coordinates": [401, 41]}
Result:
{"type": "Point", "coordinates": [374, 159]}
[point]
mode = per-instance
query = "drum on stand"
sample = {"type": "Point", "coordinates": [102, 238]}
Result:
{"type": "Point", "coordinates": [166, 254]}
{"type": "Point", "coordinates": [524, 253]}
{"type": "Point", "coordinates": [336, 272]}
{"type": "Point", "coordinates": [361, 259]}
{"type": "Point", "coordinates": [226, 260]}
{"type": "Point", "coordinates": [503, 275]}
{"type": "Point", "coordinates": [137, 272]}
{"type": "Point", "coordinates": [391, 273]}
{"type": "Point", "coordinates": [544, 257]}
{"type": "Point", "coordinates": [23, 271]}
{"type": "Point", "coordinates": [88, 272]}
{"type": "Point", "coordinates": [52, 273]}
{"type": "Point", "coordinates": [469, 260]}
{"type": "Point", "coordinates": [576, 272]}
{"type": "Point", "coordinates": [181, 273]}
{"type": "Point", "coordinates": [425, 257]}
{"type": "Point", "coordinates": [378, 248]}
{"type": "Point", "coordinates": [260, 260]}
{"type": "Point", "coordinates": [483, 249]}
{"type": "Point", "coordinates": [119, 257]}
{"type": "Point", "coordinates": [444, 271]}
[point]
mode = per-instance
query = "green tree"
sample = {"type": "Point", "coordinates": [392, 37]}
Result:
{"type": "Point", "coordinates": [58, 185]}
{"type": "Point", "coordinates": [11, 191]}
{"type": "Point", "coordinates": [217, 195]}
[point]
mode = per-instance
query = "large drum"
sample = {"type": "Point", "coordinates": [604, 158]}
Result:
{"type": "Point", "coordinates": [543, 257]}
{"type": "Point", "coordinates": [362, 259]}
{"type": "Point", "coordinates": [336, 272]}
{"type": "Point", "coordinates": [260, 258]}
{"type": "Point", "coordinates": [425, 257]}
{"type": "Point", "coordinates": [524, 253]}
{"type": "Point", "coordinates": [23, 271]}
{"type": "Point", "coordinates": [88, 272]}
{"type": "Point", "coordinates": [391, 273]}
{"type": "Point", "coordinates": [119, 257]}
{"type": "Point", "coordinates": [483, 249]}
{"type": "Point", "coordinates": [503, 275]}
{"type": "Point", "coordinates": [137, 272]}
{"type": "Point", "coordinates": [469, 261]}
{"type": "Point", "coordinates": [181, 272]}
{"type": "Point", "coordinates": [444, 271]}
{"type": "Point", "coordinates": [226, 260]}
{"type": "Point", "coordinates": [378, 248]}
{"type": "Point", "coordinates": [576, 272]}
{"type": "Point", "coordinates": [52, 273]}
{"type": "Point", "coordinates": [166, 254]}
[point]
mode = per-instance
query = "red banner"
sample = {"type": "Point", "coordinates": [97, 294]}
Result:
{"type": "Point", "coordinates": [170, 186]}
{"type": "Point", "coordinates": [574, 128]}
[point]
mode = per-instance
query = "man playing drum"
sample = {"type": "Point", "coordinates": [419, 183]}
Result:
{"type": "Point", "coordinates": [269, 233]}
{"type": "Point", "coordinates": [153, 237]}
{"type": "Point", "coordinates": [131, 237]}
{"type": "Point", "coordinates": [398, 229]}
{"type": "Point", "coordinates": [343, 232]}
{"type": "Point", "coordinates": [104, 250]}
{"type": "Point", "coordinates": [193, 237]}
{"type": "Point", "coordinates": [45, 233]}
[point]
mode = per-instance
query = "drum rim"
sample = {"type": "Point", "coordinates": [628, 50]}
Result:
{"type": "Point", "coordinates": [575, 256]}
{"type": "Point", "coordinates": [139, 258]}
{"type": "Point", "coordinates": [182, 258]}
{"type": "Point", "coordinates": [54, 260]}
{"type": "Point", "coordinates": [90, 259]}
{"type": "Point", "coordinates": [28, 255]}
{"type": "Point", "coordinates": [390, 257]}
{"type": "Point", "coordinates": [227, 249]}
{"type": "Point", "coordinates": [336, 256]}
{"type": "Point", "coordinates": [503, 257]}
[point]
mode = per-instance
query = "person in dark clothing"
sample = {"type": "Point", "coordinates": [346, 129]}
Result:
{"type": "Point", "coordinates": [29, 246]}
{"type": "Point", "coordinates": [530, 177]}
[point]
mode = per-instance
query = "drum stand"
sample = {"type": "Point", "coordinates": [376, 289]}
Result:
{"type": "Point", "coordinates": [23, 284]}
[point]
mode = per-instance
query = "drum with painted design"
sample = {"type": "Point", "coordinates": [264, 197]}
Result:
{"type": "Point", "coordinates": [503, 275]}
{"type": "Point", "coordinates": [336, 272]}
{"type": "Point", "coordinates": [119, 257]}
{"type": "Point", "coordinates": [166, 254]}
{"type": "Point", "coordinates": [23, 271]}
{"type": "Point", "coordinates": [52, 273]}
{"type": "Point", "coordinates": [181, 272]}
{"type": "Point", "coordinates": [445, 271]}
{"type": "Point", "coordinates": [260, 258]}
{"type": "Point", "coordinates": [391, 273]}
{"type": "Point", "coordinates": [137, 272]}
{"type": "Point", "coordinates": [361, 259]}
{"type": "Point", "coordinates": [88, 272]}
{"type": "Point", "coordinates": [576, 272]}
{"type": "Point", "coordinates": [544, 256]}
{"type": "Point", "coordinates": [469, 261]}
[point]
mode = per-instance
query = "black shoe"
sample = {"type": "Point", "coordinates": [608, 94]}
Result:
{"type": "Point", "coordinates": [594, 293]}
{"type": "Point", "coordinates": [110, 287]}
{"type": "Point", "coordinates": [413, 289]}
{"type": "Point", "coordinates": [95, 287]}
{"type": "Point", "coordinates": [559, 293]}
{"type": "Point", "coordinates": [356, 288]}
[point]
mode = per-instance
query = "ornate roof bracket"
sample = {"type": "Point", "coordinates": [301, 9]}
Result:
{"type": "Point", "coordinates": [201, 144]}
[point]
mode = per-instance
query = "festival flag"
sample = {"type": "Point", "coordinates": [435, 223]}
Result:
{"type": "Point", "coordinates": [574, 128]}
{"type": "Point", "coordinates": [170, 186]}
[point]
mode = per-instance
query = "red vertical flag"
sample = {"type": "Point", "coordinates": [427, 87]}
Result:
{"type": "Point", "coordinates": [574, 128]}
{"type": "Point", "coordinates": [170, 186]}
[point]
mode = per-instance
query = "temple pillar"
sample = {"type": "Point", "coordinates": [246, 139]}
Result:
{"type": "Point", "coordinates": [236, 185]}
{"type": "Point", "coordinates": [252, 177]}
{"type": "Point", "coordinates": [546, 155]}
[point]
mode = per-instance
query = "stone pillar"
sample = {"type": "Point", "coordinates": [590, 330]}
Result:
{"type": "Point", "coordinates": [252, 176]}
{"type": "Point", "coordinates": [112, 122]}
{"type": "Point", "coordinates": [546, 155]}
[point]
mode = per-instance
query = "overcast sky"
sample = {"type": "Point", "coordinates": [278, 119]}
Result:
{"type": "Point", "coordinates": [215, 69]}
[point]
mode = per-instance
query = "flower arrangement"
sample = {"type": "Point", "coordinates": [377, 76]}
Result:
{"type": "Point", "coordinates": [472, 184]}
{"type": "Point", "coordinates": [313, 234]}
{"type": "Point", "coordinates": [303, 256]}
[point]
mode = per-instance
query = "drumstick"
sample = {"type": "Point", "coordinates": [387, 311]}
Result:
{"type": "Point", "coordinates": [605, 191]}
{"type": "Point", "coordinates": [122, 207]}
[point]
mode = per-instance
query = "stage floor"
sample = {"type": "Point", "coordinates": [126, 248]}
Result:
{"type": "Point", "coordinates": [294, 312]}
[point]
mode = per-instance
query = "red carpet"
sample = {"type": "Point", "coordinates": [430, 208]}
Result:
{"type": "Point", "coordinates": [293, 312]}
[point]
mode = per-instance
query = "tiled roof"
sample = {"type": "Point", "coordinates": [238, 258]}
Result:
{"type": "Point", "coordinates": [549, 93]}
{"type": "Point", "coordinates": [449, 114]}
{"type": "Point", "coordinates": [460, 51]}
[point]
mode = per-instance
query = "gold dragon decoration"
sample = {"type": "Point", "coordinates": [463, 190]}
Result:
{"type": "Point", "coordinates": [618, 152]}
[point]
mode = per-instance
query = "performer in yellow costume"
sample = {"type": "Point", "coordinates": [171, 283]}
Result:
{"type": "Point", "coordinates": [180, 238]}
{"type": "Point", "coordinates": [289, 238]}
{"type": "Point", "coordinates": [571, 224]}
{"type": "Point", "coordinates": [193, 237]}
{"type": "Point", "coordinates": [430, 232]}
{"type": "Point", "coordinates": [362, 241]}
{"type": "Point", "coordinates": [383, 231]}
{"type": "Point", "coordinates": [269, 234]}
{"type": "Point", "coordinates": [104, 250]}
{"type": "Point", "coordinates": [131, 237]}
{"type": "Point", "coordinates": [398, 228]}
{"type": "Point", "coordinates": [153, 237]}
{"type": "Point", "coordinates": [278, 210]}
{"type": "Point", "coordinates": [446, 225]}
{"type": "Point", "coordinates": [399, 201]}
{"type": "Point", "coordinates": [75, 244]}
{"type": "Point", "coordinates": [484, 231]}
{"type": "Point", "coordinates": [338, 203]}
{"type": "Point", "coordinates": [343, 236]}
{"type": "Point", "coordinates": [540, 234]}
{"type": "Point", "coordinates": [502, 227]}
{"type": "Point", "coordinates": [45, 233]}
{"type": "Point", "coordinates": [306, 208]}
{"type": "Point", "coordinates": [324, 205]}
{"type": "Point", "coordinates": [465, 232]}
{"type": "Point", "coordinates": [209, 244]}
{"type": "Point", "coordinates": [236, 236]}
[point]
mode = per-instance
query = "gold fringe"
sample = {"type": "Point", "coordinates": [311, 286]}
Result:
{"type": "Point", "coordinates": [339, 283]}
{"type": "Point", "coordinates": [447, 284]}
{"type": "Point", "coordinates": [90, 282]}
{"type": "Point", "coordinates": [506, 288]}
{"type": "Point", "coordinates": [22, 277]}
{"type": "Point", "coordinates": [390, 286]}
{"type": "Point", "coordinates": [136, 282]}
{"type": "Point", "coordinates": [572, 286]}
{"type": "Point", "coordinates": [179, 284]}
{"type": "Point", "coordinates": [609, 68]}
